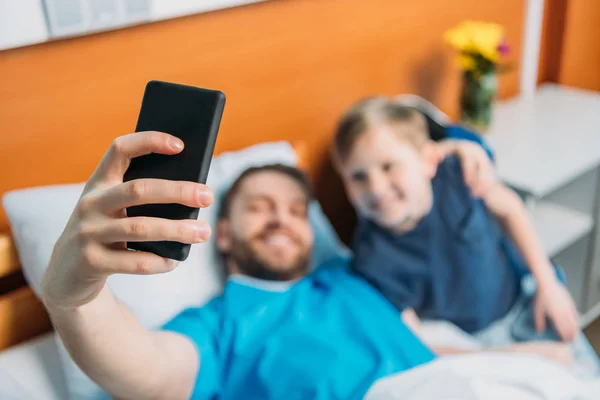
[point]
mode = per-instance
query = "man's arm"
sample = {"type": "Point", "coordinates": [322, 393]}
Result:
{"type": "Point", "coordinates": [559, 352]}
{"type": "Point", "coordinates": [117, 352]}
{"type": "Point", "coordinates": [101, 335]}
{"type": "Point", "coordinates": [552, 298]}
{"type": "Point", "coordinates": [556, 351]}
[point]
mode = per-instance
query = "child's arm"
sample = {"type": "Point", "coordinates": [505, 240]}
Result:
{"type": "Point", "coordinates": [478, 172]}
{"type": "Point", "coordinates": [552, 298]}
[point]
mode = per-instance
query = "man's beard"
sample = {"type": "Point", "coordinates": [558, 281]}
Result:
{"type": "Point", "coordinates": [249, 263]}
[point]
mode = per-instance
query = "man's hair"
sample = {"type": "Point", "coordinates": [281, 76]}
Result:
{"type": "Point", "coordinates": [407, 121]}
{"type": "Point", "coordinates": [294, 173]}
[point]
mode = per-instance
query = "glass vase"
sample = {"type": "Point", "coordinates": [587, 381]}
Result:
{"type": "Point", "coordinates": [477, 99]}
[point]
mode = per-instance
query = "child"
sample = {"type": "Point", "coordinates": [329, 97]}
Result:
{"type": "Point", "coordinates": [427, 244]}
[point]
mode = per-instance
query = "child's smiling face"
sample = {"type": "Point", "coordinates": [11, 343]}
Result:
{"type": "Point", "coordinates": [388, 179]}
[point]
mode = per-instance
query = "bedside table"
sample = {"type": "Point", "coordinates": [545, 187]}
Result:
{"type": "Point", "coordinates": [547, 148]}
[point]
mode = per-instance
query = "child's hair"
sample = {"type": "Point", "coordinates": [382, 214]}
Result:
{"type": "Point", "coordinates": [407, 121]}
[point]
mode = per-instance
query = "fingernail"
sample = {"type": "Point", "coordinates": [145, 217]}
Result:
{"type": "Point", "coordinates": [175, 143]}
{"type": "Point", "coordinates": [203, 231]}
{"type": "Point", "coordinates": [205, 196]}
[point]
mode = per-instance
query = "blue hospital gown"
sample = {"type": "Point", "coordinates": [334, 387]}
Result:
{"type": "Point", "coordinates": [330, 335]}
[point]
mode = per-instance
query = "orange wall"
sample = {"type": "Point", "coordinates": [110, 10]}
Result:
{"type": "Point", "coordinates": [289, 68]}
{"type": "Point", "coordinates": [580, 64]}
{"type": "Point", "coordinates": [551, 44]}
{"type": "Point", "coordinates": [570, 48]}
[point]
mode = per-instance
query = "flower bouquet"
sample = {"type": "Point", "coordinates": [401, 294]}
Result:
{"type": "Point", "coordinates": [481, 47]}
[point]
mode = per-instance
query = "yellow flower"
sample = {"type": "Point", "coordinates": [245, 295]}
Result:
{"type": "Point", "coordinates": [487, 39]}
{"type": "Point", "coordinates": [466, 62]}
{"type": "Point", "coordinates": [458, 37]}
{"type": "Point", "coordinates": [476, 37]}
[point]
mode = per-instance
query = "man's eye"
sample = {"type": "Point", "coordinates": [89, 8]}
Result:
{"type": "Point", "coordinates": [300, 211]}
{"type": "Point", "coordinates": [387, 167]}
{"type": "Point", "coordinates": [257, 206]}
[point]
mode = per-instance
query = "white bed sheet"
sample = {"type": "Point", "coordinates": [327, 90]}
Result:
{"type": "Point", "coordinates": [32, 370]}
{"type": "Point", "coordinates": [499, 376]}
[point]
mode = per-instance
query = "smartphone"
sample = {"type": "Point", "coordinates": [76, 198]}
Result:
{"type": "Point", "coordinates": [193, 115]}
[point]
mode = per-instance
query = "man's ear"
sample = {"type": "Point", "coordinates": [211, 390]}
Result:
{"type": "Point", "coordinates": [223, 237]}
{"type": "Point", "coordinates": [432, 156]}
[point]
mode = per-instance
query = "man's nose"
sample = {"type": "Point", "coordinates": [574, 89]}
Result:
{"type": "Point", "coordinates": [281, 215]}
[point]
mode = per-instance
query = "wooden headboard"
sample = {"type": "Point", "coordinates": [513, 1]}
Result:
{"type": "Point", "coordinates": [289, 68]}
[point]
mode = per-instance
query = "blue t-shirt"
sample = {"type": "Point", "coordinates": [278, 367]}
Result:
{"type": "Point", "coordinates": [329, 336]}
{"type": "Point", "coordinates": [457, 264]}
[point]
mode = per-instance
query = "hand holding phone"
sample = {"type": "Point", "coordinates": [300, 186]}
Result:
{"type": "Point", "coordinates": [193, 115]}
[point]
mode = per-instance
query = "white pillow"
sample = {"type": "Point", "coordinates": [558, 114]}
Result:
{"type": "Point", "coordinates": [38, 215]}
{"type": "Point", "coordinates": [32, 370]}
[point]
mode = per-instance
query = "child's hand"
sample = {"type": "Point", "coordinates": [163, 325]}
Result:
{"type": "Point", "coordinates": [554, 301]}
{"type": "Point", "coordinates": [478, 172]}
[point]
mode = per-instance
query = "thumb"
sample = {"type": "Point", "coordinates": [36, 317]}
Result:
{"type": "Point", "coordinates": [540, 316]}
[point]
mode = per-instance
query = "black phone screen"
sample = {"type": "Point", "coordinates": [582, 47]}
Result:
{"type": "Point", "coordinates": [193, 115]}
